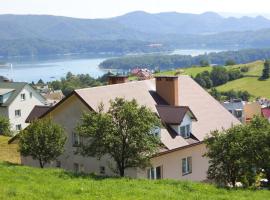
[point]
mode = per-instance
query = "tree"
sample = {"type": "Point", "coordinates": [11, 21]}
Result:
{"type": "Point", "coordinates": [219, 76]}
{"type": "Point", "coordinates": [230, 62]}
{"type": "Point", "coordinates": [125, 133]}
{"type": "Point", "coordinates": [266, 70]}
{"type": "Point", "coordinates": [227, 164]}
{"type": "Point", "coordinates": [257, 142]}
{"type": "Point", "coordinates": [43, 140]}
{"type": "Point", "coordinates": [204, 63]}
{"type": "Point", "coordinates": [5, 126]}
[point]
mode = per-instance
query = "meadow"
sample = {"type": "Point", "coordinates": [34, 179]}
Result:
{"type": "Point", "coordinates": [21, 182]}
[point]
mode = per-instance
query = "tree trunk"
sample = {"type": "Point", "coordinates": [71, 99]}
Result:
{"type": "Point", "coordinates": [267, 174]}
{"type": "Point", "coordinates": [122, 172]}
{"type": "Point", "coordinates": [41, 164]}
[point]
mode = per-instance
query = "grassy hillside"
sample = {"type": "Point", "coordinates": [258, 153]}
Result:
{"type": "Point", "coordinates": [250, 82]}
{"type": "Point", "coordinates": [18, 182]}
{"type": "Point", "coordinates": [8, 152]}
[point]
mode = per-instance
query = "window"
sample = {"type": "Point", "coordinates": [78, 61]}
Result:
{"type": "Point", "coordinates": [18, 127]}
{"type": "Point", "coordinates": [185, 131]}
{"type": "Point", "coordinates": [77, 139]}
{"type": "Point", "coordinates": [154, 173]}
{"type": "Point", "coordinates": [22, 97]}
{"type": "Point", "coordinates": [76, 167]}
{"type": "Point", "coordinates": [31, 95]}
{"type": "Point", "coordinates": [238, 113]}
{"type": "Point", "coordinates": [186, 165]}
{"type": "Point", "coordinates": [58, 164]}
{"type": "Point", "coordinates": [17, 113]}
{"type": "Point", "coordinates": [102, 170]}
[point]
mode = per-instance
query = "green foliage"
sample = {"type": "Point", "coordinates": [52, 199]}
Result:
{"type": "Point", "coordinates": [5, 126]}
{"type": "Point", "coordinates": [72, 82]}
{"type": "Point", "coordinates": [124, 133]}
{"type": "Point", "coordinates": [266, 70]}
{"type": "Point", "coordinates": [204, 63]}
{"type": "Point", "coordinates": [239, 153]}
{"type": "Point", "coordinates": [22, 182]}
{"type": "Point", "coordinates": [165, 62]}
{"type": "Point", "coordinates": [219, 76]}
{"type": "Point", "coordinates": [230, 62]}
{"type": "Point", "coordinates": [43, 140]}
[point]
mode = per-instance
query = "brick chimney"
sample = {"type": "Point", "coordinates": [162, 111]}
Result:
{"type": "Point", "coordinates": [117, 79]}
{"type": "Point", "coordinates": [167, 88]}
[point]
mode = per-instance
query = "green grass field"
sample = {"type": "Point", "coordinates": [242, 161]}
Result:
{"type": "Point", "coordinates": [8, 152]}
{"type": "Point", "coordinates": [19, 182]}
{"type": "Point", "coordinates": [249, 83]}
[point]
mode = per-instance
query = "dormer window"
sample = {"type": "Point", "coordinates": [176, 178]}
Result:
{"type": "Point", "coordinates": [185, 131]}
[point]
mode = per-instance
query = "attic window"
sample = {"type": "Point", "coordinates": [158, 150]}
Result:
{"type": "Point", "coordinates": [22, 97]}
{"type": "Point", "coordinates": [185, 131]}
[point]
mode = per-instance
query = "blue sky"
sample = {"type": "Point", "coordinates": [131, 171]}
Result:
{"type": "Point", "coordinates": [110, 8]}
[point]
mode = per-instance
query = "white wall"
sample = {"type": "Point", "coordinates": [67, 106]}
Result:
{"type": "Point", "coordinates": [25, 106]}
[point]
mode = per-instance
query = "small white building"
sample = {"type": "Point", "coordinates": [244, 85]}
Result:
{"type": "Point", "coordinates": [17, 100]}
{"type": "Point", "coordinates": [236, 107]}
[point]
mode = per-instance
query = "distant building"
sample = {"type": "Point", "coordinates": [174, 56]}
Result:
{"type": "Point", "coordinates": [16, 102]}
{"type": "Point", "coordinates": [266, 113]}
{"type": "Point", "coordinates": [142, 73]}
{"type": "Point", "coordinates": [243, 111]}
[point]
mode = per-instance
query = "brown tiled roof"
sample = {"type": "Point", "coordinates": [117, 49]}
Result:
{"type": "Point", "coordinates": [37, 112]}
{"type": "Point", "coordinates": [173, 114]}
{"type": "Point", "coordinates": [210, 114]}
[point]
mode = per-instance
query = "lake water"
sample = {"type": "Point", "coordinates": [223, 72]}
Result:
{"type": "Point", "coordinates": [53, 68]}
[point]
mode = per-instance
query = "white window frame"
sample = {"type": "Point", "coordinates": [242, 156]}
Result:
{"type": "Point", "coordinates": [18, 113]}
{"type": "Point", "coordinates": [152, 173]}
{"type": "Point", "coordinates": [18, 127]}
{"type": "Point", "coordinates": [187, 130]}
{"type": "Point", "coordinates": [31, 95]}
{"type": "Point", "coordinates": [186, 165]}
{"type": "Point", "coordinates": [23, 97]}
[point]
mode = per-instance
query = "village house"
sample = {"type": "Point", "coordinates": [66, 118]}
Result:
{"type": "Point", "coordinates": [17, 101]}
{"type": "Point", "coordinates": [242, 110]}
{"type": "Point", "coordinates": [188, 114]}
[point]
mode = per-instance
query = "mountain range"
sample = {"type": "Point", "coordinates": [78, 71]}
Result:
{"type": "Point", "coordinates": [39, 34]}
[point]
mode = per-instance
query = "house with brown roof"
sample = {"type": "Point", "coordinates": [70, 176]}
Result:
{"type": "Point", "coordinates": [188, 114]}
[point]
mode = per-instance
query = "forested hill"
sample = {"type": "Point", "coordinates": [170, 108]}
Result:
{"type": "Point", "coordinates": [136, 32]}
{"type": "Point", "coordinates": [165, 62]}
{"type": "Point", "coordinates": [135, 26]}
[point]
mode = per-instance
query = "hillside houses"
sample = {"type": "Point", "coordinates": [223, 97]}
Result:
{"type": "Point", "coordinates": [188, 114]}
{"type": "Point", "coordinates": [17, 101]}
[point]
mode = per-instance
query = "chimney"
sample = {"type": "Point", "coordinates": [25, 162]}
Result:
{"type": "Point", "coordinates": [167, 88]}
{"type": "Point", "coordinates": [117, 79]}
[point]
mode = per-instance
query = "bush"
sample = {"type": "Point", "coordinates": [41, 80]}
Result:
{"type": "Point", "coordinates": [5, 127]}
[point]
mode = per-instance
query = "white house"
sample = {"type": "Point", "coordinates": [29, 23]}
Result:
{"type": "Point", "coordinates": [17, 101]}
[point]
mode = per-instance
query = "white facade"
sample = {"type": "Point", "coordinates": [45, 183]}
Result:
{"type": "Point", "coordinates": [19, 109]}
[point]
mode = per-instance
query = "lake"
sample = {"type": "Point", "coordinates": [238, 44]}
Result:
{"type": "Point", "coordinates": [54, 67]}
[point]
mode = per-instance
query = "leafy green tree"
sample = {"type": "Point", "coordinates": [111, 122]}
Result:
{"type": "Point", "coordinates": [266, 70]}
{"type": "Point", "coordinates": [43, 140]}
{"type": "Point", "coordinates": [219, 76]}
{"type": "Point", "coordinates": [204, 63]}
{"type": "Point", "coordinates": [225, 153]}
{"type": "Point", "coordinates": [257, 144]}
{"type": "Point", "coordinates": [230, 62]}
{"type": "Point", "coordinates": [215, 93]}
{"type": "Point", "coordinates": [5, 126]}
{"type": "Point", "coordinates": [125, 133]}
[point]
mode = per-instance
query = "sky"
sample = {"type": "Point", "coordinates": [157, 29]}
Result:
{"type": "Point", "coordinates": [111, 8]}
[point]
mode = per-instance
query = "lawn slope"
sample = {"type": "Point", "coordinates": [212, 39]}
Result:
{"type": "Point", "coordinates": [19, 182]}
{"type": "Point", "coordinates": [249, 83]}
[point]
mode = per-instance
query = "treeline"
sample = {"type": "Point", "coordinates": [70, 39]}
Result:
{"type": "Point", "coordinates": [37, 47]}
{"type": "Point", "coordinates": [163, 62]}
